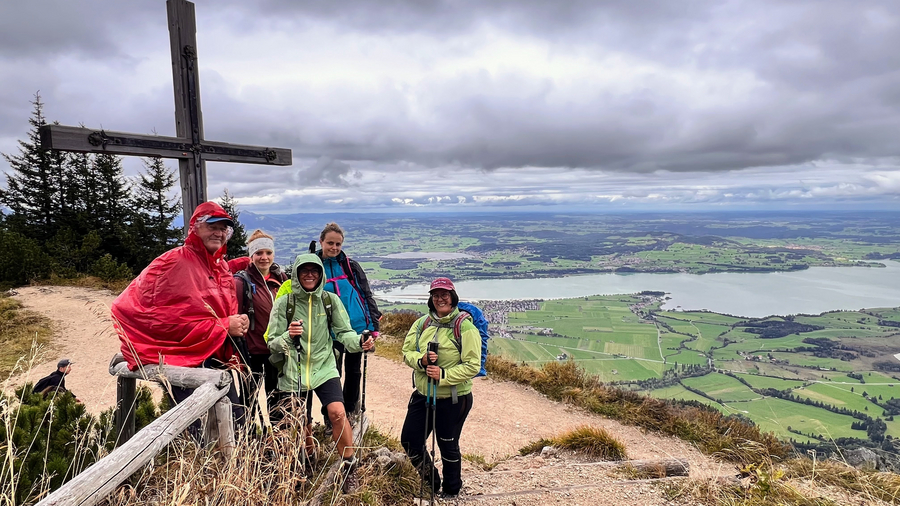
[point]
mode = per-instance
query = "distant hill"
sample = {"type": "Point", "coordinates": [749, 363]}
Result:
{"type": "Point", "coordinates": [253, 221]}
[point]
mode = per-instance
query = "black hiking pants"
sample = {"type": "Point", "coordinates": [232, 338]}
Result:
{"type": "Point", "coordinates": [448, 425]}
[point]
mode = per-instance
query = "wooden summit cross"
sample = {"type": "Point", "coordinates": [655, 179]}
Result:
{"type": "Point", "coordinates": [189, 147]}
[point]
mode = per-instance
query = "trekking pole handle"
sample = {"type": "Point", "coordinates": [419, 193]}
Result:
{"type": "Point", "coordinates": [366, 334]}
{"type": "Point", "coordinates": [432, 348]}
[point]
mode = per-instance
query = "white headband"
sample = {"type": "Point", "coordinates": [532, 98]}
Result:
{"type": "Point", "coordinates": [261, 243]}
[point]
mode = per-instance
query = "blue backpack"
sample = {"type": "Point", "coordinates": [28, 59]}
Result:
{"type": "Point", "coordinates": [466, 310]}
{"type": "Point", "coordinates": [481, 324]}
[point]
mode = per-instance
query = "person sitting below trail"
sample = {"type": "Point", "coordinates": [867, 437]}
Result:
{"type": "Point", "coordinates": [56, 380]}
{"type": "Point", "coordinates": [299, 337]}
{"type": "Point", "coordinates": [346, 279]}
{"type": "Point", "coordinates": [182, 308]}
{"type": "Point", "coordinates": [446, 376]}
{"type": "Point", "coordinates": [256, 288]}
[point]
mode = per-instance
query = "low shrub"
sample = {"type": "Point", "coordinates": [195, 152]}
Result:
{"type": "Point", "coordinates": [595, 442]}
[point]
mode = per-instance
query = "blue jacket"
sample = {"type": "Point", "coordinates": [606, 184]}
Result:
{"type": "Point", "coordinates": [345, 278]}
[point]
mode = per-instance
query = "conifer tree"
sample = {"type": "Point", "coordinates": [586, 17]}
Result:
{"type": "Point", "coordinates": [115, 209]}
{"type": "Point", "coordinates": [35, 184]}
{"type": "Point", "coordinates": [155, 210]}
{"type": "Point", "coordinates": [237, 245]}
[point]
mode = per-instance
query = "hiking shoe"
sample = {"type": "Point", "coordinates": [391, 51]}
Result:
{"type": "Point", "coordinates": [328, 429]}
{"type": "Point", "coordinates": [445, 496]}
{"type": "Point", "coordinates": [429, 474]}
{"type": "Point", "coordinates": [349, 475]}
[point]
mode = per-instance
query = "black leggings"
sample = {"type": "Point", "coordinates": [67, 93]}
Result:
{"type": "Point", "coordinates": [448, 425]}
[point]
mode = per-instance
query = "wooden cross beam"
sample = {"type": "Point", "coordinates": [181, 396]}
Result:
{"type": "Point", "coordinates": [188, 146]}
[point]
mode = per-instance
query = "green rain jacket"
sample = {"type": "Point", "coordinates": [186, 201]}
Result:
{"type": "Point", "coordinates": [456, 368]}
{"type": "Point", "coordinates": [310, 365]}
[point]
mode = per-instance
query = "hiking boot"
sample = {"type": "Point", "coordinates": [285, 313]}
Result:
{"type": "Point", "coordinates": [328, 429]}
{"type": "Point", "coordinates": [446, 496]}
{"type": "Point", "coordinates": [429, 474]}
{"type": "Point", "coordinates": [450, 496]}
{"type": "Point", "coordinates": [349, 475]}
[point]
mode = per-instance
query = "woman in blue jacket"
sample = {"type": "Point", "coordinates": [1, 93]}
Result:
{"type": "Point", "coordinates": [345, 278]}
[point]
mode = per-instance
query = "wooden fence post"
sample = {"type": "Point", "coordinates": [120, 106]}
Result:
{"type": "Point", "coordinates": [125, 406]}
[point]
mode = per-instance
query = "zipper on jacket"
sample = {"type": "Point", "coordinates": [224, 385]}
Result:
{"type": "Point", "coordinates": [309, 339]}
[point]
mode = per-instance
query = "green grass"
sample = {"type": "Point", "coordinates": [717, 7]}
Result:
{"type": "Point", "coordinates": [721, 387]}
{"type": "Point", "coordinates": [757, 381]}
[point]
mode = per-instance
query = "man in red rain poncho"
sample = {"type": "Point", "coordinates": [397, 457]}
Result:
{"type": "Point", "coordinates": [182, 307]}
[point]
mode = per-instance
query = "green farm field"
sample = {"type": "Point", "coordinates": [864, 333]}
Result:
{"type": "Point", "coordinates": [603, 335]}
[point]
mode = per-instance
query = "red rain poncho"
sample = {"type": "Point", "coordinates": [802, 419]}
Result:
{"type": "Point", "coordinates": [176, 311]}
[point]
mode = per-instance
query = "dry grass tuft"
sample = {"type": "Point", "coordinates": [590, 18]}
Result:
{"type": "Point", "coordinates": [595, 442]}
{"type": "Point", "coordinates": [267, 469]}
{"type": "Point", "coordinates": [85, 281]}
{"type": "Point", "coordinates": [21, 332]}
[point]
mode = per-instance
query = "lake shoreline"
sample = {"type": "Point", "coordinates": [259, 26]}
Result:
{"type": "Point", "coordinates": [815, 290]}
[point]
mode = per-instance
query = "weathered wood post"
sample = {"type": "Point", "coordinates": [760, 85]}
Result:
{"type": "Point", "coordinates": [220, 421]}
{"type": "Point", "coordinates": [126, 400]}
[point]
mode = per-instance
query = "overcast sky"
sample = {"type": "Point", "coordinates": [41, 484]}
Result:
{"type": "Point", "coordinates": [465, 105]}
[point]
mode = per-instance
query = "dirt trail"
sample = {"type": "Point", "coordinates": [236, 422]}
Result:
{"type": "Point", "coordinates": [505, 416]}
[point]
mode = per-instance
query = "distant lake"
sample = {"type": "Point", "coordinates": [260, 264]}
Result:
{"type": "Point", "coordinates": [811, 291]}
{"type": "Point", "coordinates": [429, 255]}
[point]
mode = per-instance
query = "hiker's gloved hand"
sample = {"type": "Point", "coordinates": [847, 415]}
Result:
{"type": "Point", "coordinates": [238, 324]}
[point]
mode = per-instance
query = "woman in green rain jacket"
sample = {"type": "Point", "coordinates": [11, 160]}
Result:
{"type": "Point", "coordinates": [301, 351]}
{"type": "Point", "coordinates": [443, 379]}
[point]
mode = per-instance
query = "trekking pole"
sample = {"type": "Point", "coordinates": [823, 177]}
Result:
{"type": "Point", "coordinates": [432, 348]}
{"type": "Point", "coordinates": [362, 407]}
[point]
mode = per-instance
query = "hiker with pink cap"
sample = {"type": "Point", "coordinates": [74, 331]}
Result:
{"type": "Point", "coordinates": [443, 367]}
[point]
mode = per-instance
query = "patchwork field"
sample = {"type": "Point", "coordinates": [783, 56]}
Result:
{"type": "Point", "coordinates": [801, 373]}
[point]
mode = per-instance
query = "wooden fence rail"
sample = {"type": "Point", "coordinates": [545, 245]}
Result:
{"type": "Point", "coordinates": [210, 396]}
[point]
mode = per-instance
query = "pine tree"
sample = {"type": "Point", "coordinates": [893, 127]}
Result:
{"type": "Point", "coordinates": [115, 208]}
{"type": "Point", "coordinates": [36, 183]}
{"type": "Point", "coordinates": [155, 211]}
{"type": "Point", "coordinates": [237, 245]}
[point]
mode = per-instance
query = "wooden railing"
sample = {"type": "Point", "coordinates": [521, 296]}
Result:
{"type": "Point", "coordinates": [136, 450]}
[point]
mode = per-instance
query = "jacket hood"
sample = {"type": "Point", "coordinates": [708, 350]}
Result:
{"type": "Point", "coordinates": [307, 258]}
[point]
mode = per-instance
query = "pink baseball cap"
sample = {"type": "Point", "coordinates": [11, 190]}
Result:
{"type": "Point", "coordinates": [441, 283]}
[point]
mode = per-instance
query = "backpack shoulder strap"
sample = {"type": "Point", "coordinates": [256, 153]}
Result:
{"type": "Point", "coordinates": [291, 306]}
{"type": "Point", "coordinates": [326, 301]}
{"type": "Point", "coordinates": [423, 324]}
{"type": "Point", "coordinates": [457, 329]}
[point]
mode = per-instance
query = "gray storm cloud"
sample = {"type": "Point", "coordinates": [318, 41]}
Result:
{"type": "Point", "coordinates": [327, 172]}
{"type": "Point", "coordinates": [565, 94]}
